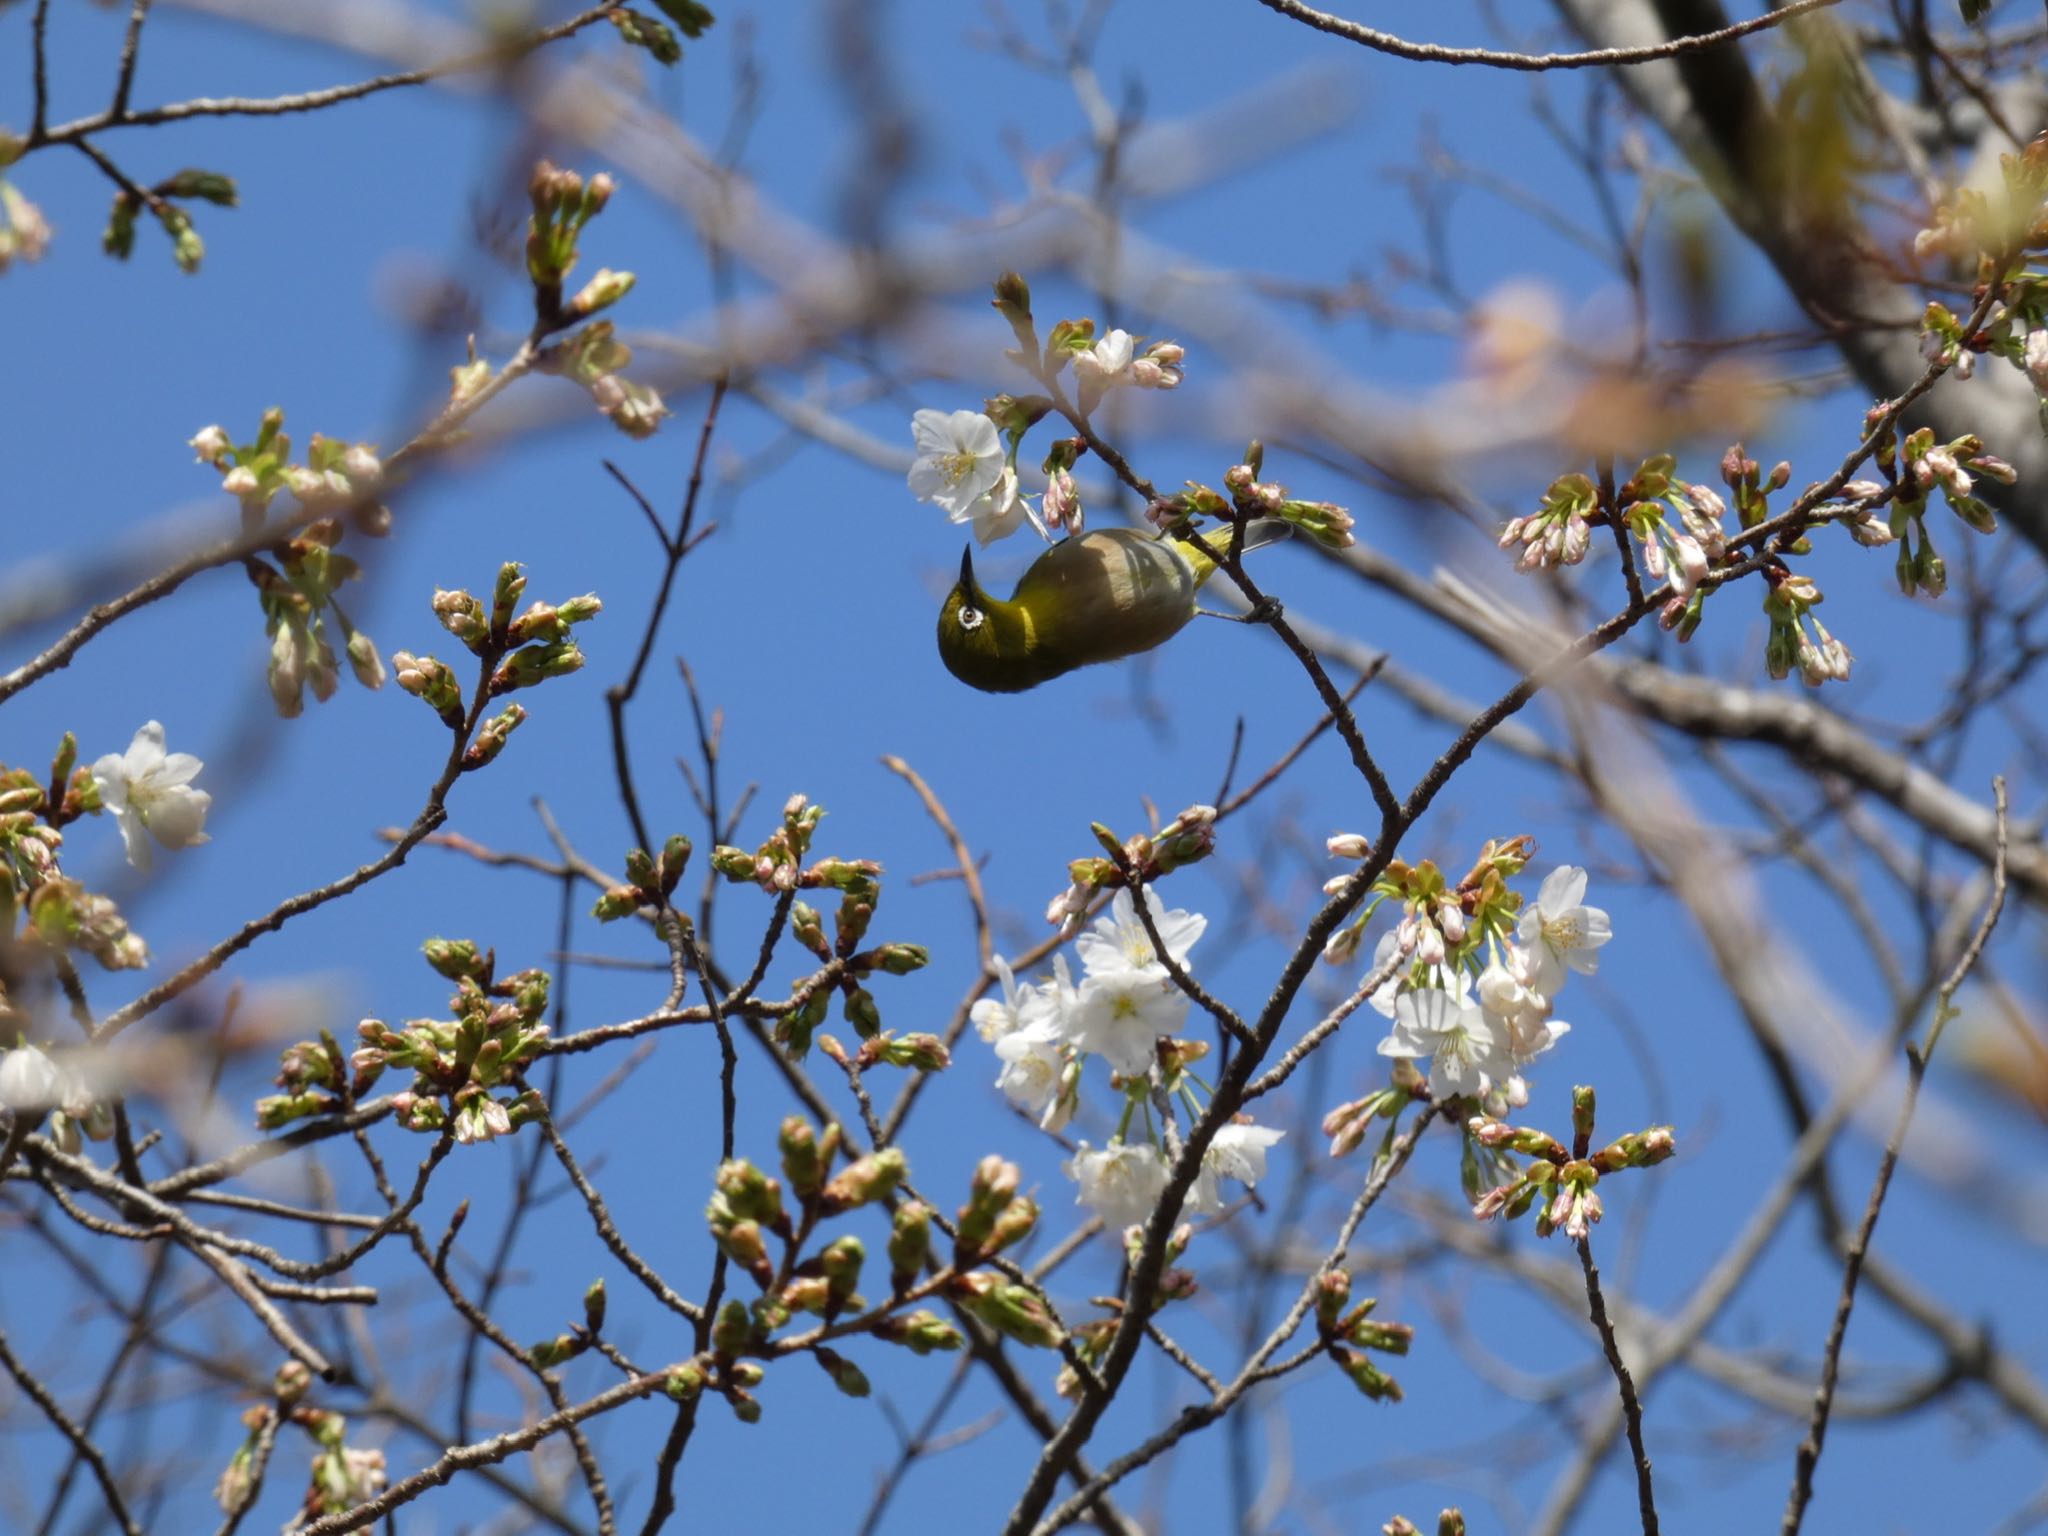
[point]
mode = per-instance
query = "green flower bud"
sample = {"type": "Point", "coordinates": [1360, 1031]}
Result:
{"type": "Point", "coordinates": [601, 292]}
{"type": "Point", "coordinates": [842, 1262]}
{"type": "Point", "coordinates": [1450, 1523]}
{"type": "Point", "coordinates": [744, 1408]}
{"type": "Point", "coordinates": [802, 1162]}
{"type": "Point", "coordinates": [1389, 1338]}
{"type": "Point", "coordinates": [733, 863]}
{"type": "Point", "coordinates": [995, 1185]}
{"type": "Point", "coordinates": [684, 1382]}
{"type": "Point", "coordinates": [733, 1330]}
{"type": "Point", "coordinates": [534, 664]}
{"type": "Point", "coordinates": [620, 901]}
{"type": "Point", "coordinates": [921, 1332]}
{"type": "Point", "coordinates": [1012, 1310]}
{"type": "Point", "coordinates": [1582, 1112]}
{"type": "Point", "coordinates": [846, 1376]}
{"type": "Point", "coordinates": [1367, 1377]}
{"type": "Point", "coordinates": [901, 959]}
{"type": "Point", "coordinates": [640, 868]}
{"type": "Point", "coordinates": [744, 1373]}
{"type": "Point", "coordinates": [809, 929]}
{"type": "Point", "coordinates": [872, 1178]}
{"type": "Point", "coordinates": [910, 1241]}
{"type": "Point", "coordinates": [923, 1053]}
{"type": "Point", "coordinates": [1333, 1291]}
{"type": "Point", "coordinates": [675, 858]}
{"type": "Point", "coordinates": [291, 1383]}
{"type": "Point", "coordinates": [861, 1012]}
{"type": "Point", "coordinates": [748, 1193]}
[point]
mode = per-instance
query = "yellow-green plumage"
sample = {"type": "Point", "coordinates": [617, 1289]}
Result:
{"type": "Point", "coordinates": [1102, 595]}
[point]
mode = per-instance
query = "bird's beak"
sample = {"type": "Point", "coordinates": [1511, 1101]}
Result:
{"type": "Point", "coordinates": [967, 568]}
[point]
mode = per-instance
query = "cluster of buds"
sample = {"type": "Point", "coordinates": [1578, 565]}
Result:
{"type": "Point", "coordinates": [1678, 523]}
{"type": "Point", "coordinates": [1789, 600]}
{"type": "Point", "coordinates": [1248, 497]}
{"type": "Point", "coordinates": [521, 650]}
{"type": "Point", "coordinates": [1441, 923]}
{"type": "Point", "coordinates": [1562, 1185]}
{"type": "Point", "coordinates": [1091, 1340]}
{"type": "Point", "coordinates": [578, 1338]}
{"type": "Point", "coordinates": [1132, 863]}
{"type": "Point", "coordinates": [1348, 1123]}
{"type": "Point", "coordinates": [187, 249]}
{"type": "Point", "coordinates": [342, 1476]}
{"type": "Point", "coordinates": [777, 866]}
{"type": "Point", "coordinates": [1100, 364]}
{"type": "Point", "coordinates": [61, 913]}
{"type": "Point", "coordinates": [995, 1216]}
{"type": "Point", "coordinates": [749, 1207]}
{"type": "Point", "coordinates": [1560, 530]}
{"type": "Point", "coordinates": [466, 1070]}
{"type": "Point", "coordinates": [650, 881]}
{"type": "Point", "coordinates": [1917, 467]}
{"type": "Point", "coordinates": [337, 476]}
{"type": "Point", "coordinates": [595, 358]}
{"type": "Point", "coordinates": [297, 598]}
{"type": "Point", "coordinates": [301, 613]}
{"type": "Point", "coordinates": [657, 38]}
{"type": "Point", "coordinates": [1347, 1332]}
{"type": "Point", "coordinates": [1060, 508]}
{"type": "Point", "coordinates": [745, 1205]}
{"type": "Point", "coordinates": [26, 233]}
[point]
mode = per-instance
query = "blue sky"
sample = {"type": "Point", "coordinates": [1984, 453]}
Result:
{"type": "Point", "coordinates": [807, 619]}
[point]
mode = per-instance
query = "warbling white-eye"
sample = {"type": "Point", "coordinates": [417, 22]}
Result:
{"type": "Point", "coordinates": [1101, 595]}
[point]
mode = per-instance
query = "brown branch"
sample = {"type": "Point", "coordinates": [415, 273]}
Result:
{"type": "Point", "coordinates": [1597, 58]}
{"type": "Point", "coordinates": [81, 1443]}
{"type": "Point", "coordinates": [1631, 1405]}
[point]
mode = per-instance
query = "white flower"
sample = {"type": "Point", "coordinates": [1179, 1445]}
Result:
{"type": "Point", "coordinates": [29, 1080]}
{"type": "Point", "coordinates": [1559, 931]}
{"type": "Point", "coordinates": [959, 458]}
{"type": "Point", "coordinates": [1121, 1183]}
{"type": "Point", "coordinates": [1001, 512]}
{"type": "Point", "coordinates": [994, 1018]}
{"type": "Point", "coordinates": [1465, 1048]}
{"type": "Point", "coordinates": [1033, 1067]}
{"type": "Point", "coordinates": [210, 444]}
{"type": "Point", "coordinates": [1120, 1018]}
{"type": "Point", "coordinates": [150, 791]}
{"type": "Point", "coordinates": [1238, 1152]}
{"type": "Point", "coordinates": [1106, 362]}
{"type": "Point", "coordinates": [1119, 943]}
{"type": "Point", "coordinates": [2036, 359]}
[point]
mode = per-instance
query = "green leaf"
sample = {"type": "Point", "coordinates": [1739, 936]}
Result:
{"type": "Point", "coordinates": [691, 17]}
{"type": "Point", "coordinates": [645, 32]}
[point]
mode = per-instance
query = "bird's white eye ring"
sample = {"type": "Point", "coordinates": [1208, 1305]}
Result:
{"type": "Point", "coordinates": [970, 618]}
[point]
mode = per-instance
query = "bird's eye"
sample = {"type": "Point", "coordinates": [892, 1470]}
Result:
{"type": "Point", "coordinates": [970, 618]}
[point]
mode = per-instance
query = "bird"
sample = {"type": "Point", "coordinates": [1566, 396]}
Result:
{"type": "Point", "coordinates": [1098, 596]}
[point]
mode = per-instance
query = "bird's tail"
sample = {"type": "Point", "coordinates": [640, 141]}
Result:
{"type": "Point", "coordinates": [1257, 535]}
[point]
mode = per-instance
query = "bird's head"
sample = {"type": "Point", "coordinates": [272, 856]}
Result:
{"type": "Point", "coordinates": [979, 637]}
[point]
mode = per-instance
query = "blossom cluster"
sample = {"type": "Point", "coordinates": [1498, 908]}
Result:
{"type": "Point", "coordinates": [1127, 1010]}
{"type": "Point", "coordinates": [1471, 976]}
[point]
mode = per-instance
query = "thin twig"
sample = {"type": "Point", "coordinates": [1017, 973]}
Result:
{"type": "Point", "coordinates": [1808, 1456]}
{"type": "Point", "coordinates": [1598, 58]}
{"type": "Point", "coordinates": [1631, 1406]}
